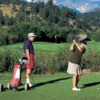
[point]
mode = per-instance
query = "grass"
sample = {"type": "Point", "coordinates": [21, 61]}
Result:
{"type": "Point", "coordinates": [49, 47]}
{"type": "Point", "coordinates": [93, 45]}
{"type": "Point", "coordinates": [38, 46]}
{"type": "Point", "coordinates": [7, 9]}
{"type": "Point", "coordinates": [54, 87]}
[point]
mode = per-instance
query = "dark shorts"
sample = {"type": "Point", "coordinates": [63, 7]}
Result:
{"type": "Point", "coordinates": [31, 65]}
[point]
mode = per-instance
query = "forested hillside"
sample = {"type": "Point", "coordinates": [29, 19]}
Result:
{"type": "Point", "coordinates": [47, 20]}
{"type": "Point", "coordinates": [93, 20]}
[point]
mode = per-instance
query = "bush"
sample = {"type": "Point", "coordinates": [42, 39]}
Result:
{"type": "Point", "coordinates": [91, 60]}
{"type": "Point", "coordinates": [7, 60]}
{"type": "Point", "coordinates": [47, 62]}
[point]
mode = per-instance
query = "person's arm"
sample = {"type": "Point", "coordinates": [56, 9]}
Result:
{"type": "Point", "coordinates": [72, 46]}
{"type": "Point", "coordinates": [28, 55]}
{"type": "Point", "coordinates": [79, 48]}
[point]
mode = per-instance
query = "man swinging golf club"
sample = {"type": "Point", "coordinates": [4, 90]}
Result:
{"type": "Point", "coordinates": [29, 52]}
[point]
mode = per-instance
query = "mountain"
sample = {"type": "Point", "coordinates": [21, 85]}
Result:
{"type": "Point", "coordinates": [92, 19]}
{"type": "Point", "coordinates": [77, 12]}
{"type": "Point", "coordinates": [82, 6]}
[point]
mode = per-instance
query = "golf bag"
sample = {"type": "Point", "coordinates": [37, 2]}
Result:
{"type": "Point", "coordinates": [15, 81]}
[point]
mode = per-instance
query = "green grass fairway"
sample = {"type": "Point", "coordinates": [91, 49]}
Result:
{"type": "Point", "coordinates": [54, 87]}
{"type": "Point", "coordinates": [48, 46]}
{"type": "Point", "coordinates": [38, 46]}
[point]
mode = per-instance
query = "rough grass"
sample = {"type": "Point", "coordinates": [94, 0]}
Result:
{"type": "Point", "coordinates": [7, 9]}
{"type": "Point", "coordinates": [54, 87]}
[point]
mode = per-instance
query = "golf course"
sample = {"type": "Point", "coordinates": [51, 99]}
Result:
{"type": "Point", "coordinates": [53, 87]}
{"type": "Point", "coordinates": [49, 49]}
{"type": "Point", "coordinates": [57, 86]}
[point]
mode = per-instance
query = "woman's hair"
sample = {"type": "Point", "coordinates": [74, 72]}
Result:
{"type": "Point", "coordinates": [83, 42]}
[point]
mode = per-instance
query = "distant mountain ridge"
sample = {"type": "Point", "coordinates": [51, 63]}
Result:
{"type": "Point", "coordinates": [62, 6]}
{"type": "Point", "coordinates": [80, 6]}
{"type": "Point", "coordinates": [92, 18]}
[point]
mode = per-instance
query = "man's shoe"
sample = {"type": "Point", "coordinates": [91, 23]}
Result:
{"type": "Point", "coordinates": [31, 85]}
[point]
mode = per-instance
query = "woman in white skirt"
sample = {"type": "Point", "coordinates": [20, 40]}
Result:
{"type": "Point", "coordinates": [74, 62]}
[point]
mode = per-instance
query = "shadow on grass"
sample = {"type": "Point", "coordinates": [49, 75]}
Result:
{"type": "Point", "coordinates": [52, 81]}
{"type": "Point", "coordinates": [90, 84]}
{"type": "Point", "coordinates": [48, 82]}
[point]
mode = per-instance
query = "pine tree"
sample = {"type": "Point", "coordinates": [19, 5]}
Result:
{"type": "Point", "coordinates": [34, 8]}
{"type": "Point", "coordinates": [14, 8]}
{"type": "Point", "coordinates": [50, 4]}
{"type": "Point", "coordinates": [6, 19]}
{"type": "Point", "coordinates": [1, 17]}
{"type": "Point", "coordinates": [11, 20]}
{"type": "Point", "coordinates": [17, 18]}
{"type": "Point", "coordinates": [18, 2]}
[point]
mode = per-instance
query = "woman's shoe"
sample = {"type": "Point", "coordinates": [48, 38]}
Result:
{"type": "Point", "coordinates": [76, 89]}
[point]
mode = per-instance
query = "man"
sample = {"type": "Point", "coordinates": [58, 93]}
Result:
{"type": "Point", "coordinates": [29, 52]}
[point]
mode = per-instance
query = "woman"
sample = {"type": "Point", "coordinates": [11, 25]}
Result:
{"type": "Point", "coordinates": [74, 62]}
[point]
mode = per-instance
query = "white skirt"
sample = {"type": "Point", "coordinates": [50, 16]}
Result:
{"type": "Point", "coordinates": [74, 69]}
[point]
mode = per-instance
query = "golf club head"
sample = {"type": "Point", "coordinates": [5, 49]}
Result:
{"type": "Point", "coordinates": [82, 38]}
{"type": "Point", "coordinates": [23, 60]}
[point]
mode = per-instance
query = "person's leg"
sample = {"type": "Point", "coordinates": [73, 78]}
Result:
{"type": "Point", "coordinates": [74, 80]}
{"type": "Point", "coordinates": [28, 72]}
{"type": "Point", "coordinates": [78, 78]}
{"type": "Point", "coordinates": [75, 83]}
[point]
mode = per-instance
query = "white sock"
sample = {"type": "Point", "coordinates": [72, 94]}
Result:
{"type": "Point", "coordinates": [27, 80]}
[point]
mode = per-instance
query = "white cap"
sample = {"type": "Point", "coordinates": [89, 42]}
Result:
{"type": "Point", "coordinates": [31, 35]}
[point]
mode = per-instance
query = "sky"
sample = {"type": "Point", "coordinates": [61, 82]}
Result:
{"type": "Point", "coordinates": [80, 5]}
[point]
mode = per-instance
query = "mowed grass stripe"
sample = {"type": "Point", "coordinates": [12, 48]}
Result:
{"type": "Point", "coordinates": [50, 47]}
{"type": "Point", "coordinates": [55, 87]}
{"type": "Point", "coordinates": [38, 46]}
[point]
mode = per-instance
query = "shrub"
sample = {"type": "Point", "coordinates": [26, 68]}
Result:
{"type": "Point", "coordinates": [7, 60]}
{"type": "Point", "coordinates": [49, 62]}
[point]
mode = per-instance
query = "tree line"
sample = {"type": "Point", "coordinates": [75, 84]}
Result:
{"type": "Point", "coordinates": [49, 18]}
{"type": "Point", "coordinates": [93, 20]}
{"type": "Point", "coordinates": [18, 33]}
